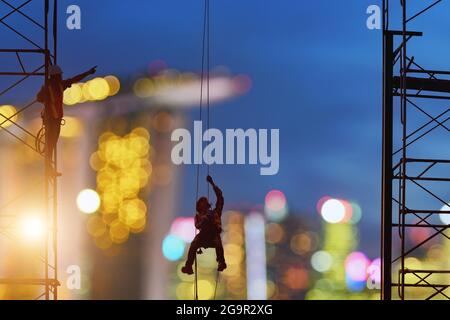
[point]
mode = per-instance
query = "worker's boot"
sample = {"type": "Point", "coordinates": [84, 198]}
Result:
{"type": "Point", "coordinates": [222, 266]}
{"type": "Point", "coordinates": [187, 270]}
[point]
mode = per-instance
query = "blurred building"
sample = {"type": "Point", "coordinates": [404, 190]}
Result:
{"type": "Point", "coordinates": [341, 272]}
{"type": "Point", "coordinates": [118, 191]}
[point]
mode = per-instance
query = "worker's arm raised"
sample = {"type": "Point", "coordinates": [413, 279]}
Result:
{"type": "Point", "coordinates": [220, 200]}
{"type": "Point", "coordinates": [69, 82]}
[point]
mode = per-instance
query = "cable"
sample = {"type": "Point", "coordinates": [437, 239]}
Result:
{"type": "Point", "coordinates": [215, 286]}
{"type": "Point", "coordinates": [205, 14]}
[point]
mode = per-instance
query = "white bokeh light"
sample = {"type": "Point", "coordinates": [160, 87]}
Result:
{"type": "Point", "coordinates": [321, 261]}
{"type": "Point", "coordinates": [445, 217]}
{"type": "Point", "coordinates": [88, 201]}
{"type": "Point", "coordinates": [333, 211]}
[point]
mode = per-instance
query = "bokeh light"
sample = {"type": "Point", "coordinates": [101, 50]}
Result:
{"type": "Point", "coordinates": [205, 289]}
{"type": "Point", "coordinates": [356, 212]}
{"type": "Point", "coordinates": [114, 85]}
{"type": "Point", "coordinates": [118, 231]}
{"type": "Point", "coordinates": [123, 170]}
{"type": "Point", "coordinates": [355, 285]}
{"type": "Point", "coordinates": [333, 211]}
{"type": "Point", "coordinates": [88, 201]}
{"type": "Point", "coordinates": [93, 90]}
{"type": "Point", "coordinates": [274, 233]}
{"type": "Point", "coordinates": [374, 274]}
{"type": "Point", "coordinates": [173, 248]}
{"type": "Point", "coordinates": [321, 261]}
{"type": "Point", "coordinates": [445, 217]}
{"type": "Point", "coordinates": [419, 235]}
{"type": "Point", "coordinates": [98, 88]}
{"type": "Point", "coordinates": [6, 112]}
{"type": "Point", "coordinates": [303, 243]}
{"type": "Point", "coordinates": [296, 278]}
{"type": "Point", "coordinates": [73, 94]}
{"type": "Point", "coordinates": [183, 228]}
{"type": "Point", "coordinates": [72, 127]}
{"type": "Point", "coordinates": [356, 265]}
{"type": "Point", "coordinates": [275, 206]}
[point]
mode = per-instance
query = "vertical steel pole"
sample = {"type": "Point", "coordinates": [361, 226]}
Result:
{"type": "Point", "coordinates": [387, 138]}
{"type": "Point", "coordinates": [403, 90]}
{"type": "Point", "coordinates": [46, 172]}
{"type": "Point", "coordinates": [55, 183]}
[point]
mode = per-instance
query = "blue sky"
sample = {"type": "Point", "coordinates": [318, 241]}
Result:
{"type": "Point", "coordinates": [316, 72]}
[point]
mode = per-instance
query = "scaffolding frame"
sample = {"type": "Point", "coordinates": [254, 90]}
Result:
{"type": "Point", "coordinates": [46, 52]}
{"type": "Point", "coordinates": [402, 170]}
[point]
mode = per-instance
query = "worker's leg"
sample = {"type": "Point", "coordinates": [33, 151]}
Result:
{"type": "Point", "coordinates": [219, 250]}
{"type": "Point", "coordinates": [196, 243]}
{"type": "Point", "coordinates": [220, 254]}
{"type": "Point", "coordinates": [52, 132]}
{"type": "Point", "coordinates": [192, 251]}
{"type": "Point", "coordinates": [49, 141]}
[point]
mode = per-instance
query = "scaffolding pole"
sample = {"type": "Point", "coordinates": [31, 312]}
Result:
{"type": "Point", "coordinates": [37, 48]}
{"type": "Point", "coordinates": [408, 179]}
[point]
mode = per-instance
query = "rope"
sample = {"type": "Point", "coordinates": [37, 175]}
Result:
{"type": "Point", "coordinates": [215, 286]}
{"type": "Point", "coordinates": [207, 83]}
{"type": "Point", "coordinates": [205, 51]}
{"type": "Point", "coordinates": [55, 31]}
{"type": "Point", "coordinates": [199, 155]}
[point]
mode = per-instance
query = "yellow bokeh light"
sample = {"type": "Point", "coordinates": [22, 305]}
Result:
{"type": "Point", "coordinates": [86, 93]}
{"type": "Point", "coordinates": [96, 162]}
{"type": "Point", "coordinates": [142, 132]}
{"type": "Point", "coordinates": [6, 112]}
{"type": "Point", "coordinates": [118, 231]}
{"type": "Point", "coordinates": [114, 85]}
{"type": "Point", "coordinates": [96, 227]}
{"type": "Point", "coordinates": [143, 87]}
{"type": "Point", "coordinates": [184, 291]}
{"type": "Point", "coordinates": [72, 127]}
{"type": "Point", "coordinates": [205, 290]}
{"type": "Point", "coordinates": [138, 144]}
{"type": "Point", "coordinates": [138, 226]}
{"type": "Point", "coordinates": [109, 217]}
{"type": "Point", "coordinates": [73, 95]}
{"type": "Point", "coordinates": [129, 186]}
{"type": "Point", "coordinates": [133, 212]}
{"type": "Point", "coordinates": [123, 169]}
{"type": "Point", "coordinates": [103, 242]}
{"type": "Point", "coordinates": [98, 88]}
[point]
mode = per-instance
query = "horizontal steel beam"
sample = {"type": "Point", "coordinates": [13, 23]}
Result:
{"type": "Point", "coordinates": [424, 84]}
{"type": "Point", "coordinates": [22, 74]}
{"type": "Point", "coordinates": [35, 282]}
{"type": "Point", "coordinates": [400, 33]}
{"type": "Point", "coordinates": [23, 50]}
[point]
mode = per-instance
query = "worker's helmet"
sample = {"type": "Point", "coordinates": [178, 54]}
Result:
{"type": "Point", "coordinates": [202, 203]}
{"type": "Point", "coordinates": [54, 70]}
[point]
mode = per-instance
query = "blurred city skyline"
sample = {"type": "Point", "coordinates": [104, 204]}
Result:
{"type": "Point", "coordinates": [312, 71]}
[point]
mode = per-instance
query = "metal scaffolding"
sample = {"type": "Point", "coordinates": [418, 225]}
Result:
{"type": "Point", "coordinates": [415, 160]}
{"type": "Point", "coordinates": [35, 47]}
